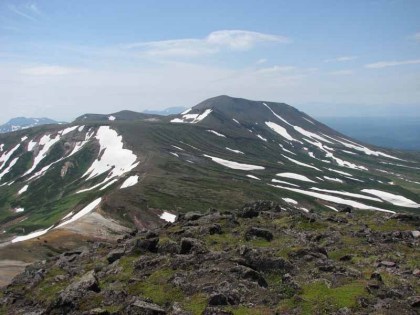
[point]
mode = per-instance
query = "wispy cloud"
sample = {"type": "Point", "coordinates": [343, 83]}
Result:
{"type": "Point", "coordinates": [235, 40]}
{"type": "Point", "coordinates": [277, 69]}
{"type": "Point", "coordinates": [29, 11]}
{"type": "Point", "coordinates": [385, 64]}
{"type": "Point", "coordinates": [341, 59]}
{"type": "Point", "coordinates": [416, 37]}
{"type": "Point", "coordinates": [342, 72]}
{"type": "Point", "coordinates": [261, 61]}
{"type": "Point", "coordinates": [48, 70]}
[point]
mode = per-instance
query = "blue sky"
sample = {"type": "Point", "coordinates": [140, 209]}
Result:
{"type": "Point", "coordinates": [348, 58]}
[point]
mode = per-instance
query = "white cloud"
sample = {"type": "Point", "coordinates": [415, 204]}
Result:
{"type": "Point", "coordinates": [341, 59]}
{"type": "Point", "coordinates": [261, 61]}
{"type": "Point", "coordinates": [50, 70]}
{"type": "Point", "coordinates": [342, 72]}
{"type": "Point", "coordinates": [385, 64]}
{"type": "Point", "coordinates": [236, 40]}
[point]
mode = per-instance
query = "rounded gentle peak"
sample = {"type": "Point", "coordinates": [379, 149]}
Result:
{"type": "Point", "coordinates": [125, 115]}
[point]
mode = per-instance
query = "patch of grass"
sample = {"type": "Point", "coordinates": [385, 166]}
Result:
{"type": "Point", "coordinates": [157, 287]}
{"type": "Point", "coordinates": [244, 310]}
{"type": "Point", "coordinates": [391, 225]}
{"type": "Point", "coordinates": [319, 298]}
{"type": "Point", "coordinates": [195, 304]}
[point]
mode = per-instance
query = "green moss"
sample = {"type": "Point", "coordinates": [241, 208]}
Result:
{"type": "Point", "coordinates": [390, 226]}
{"type": "Point", "coordinates": [319, 298]}
{"type": "Point", "coordinates": [157, 287]}
{"type": "Point", "coordinates": [195, 304]}
{"type": "Point", "coordinates": [243, 310]}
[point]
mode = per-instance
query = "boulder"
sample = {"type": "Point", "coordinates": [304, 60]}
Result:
{"type": "Point", "coordinates": [253, 232]}
{"type": "Point", "coordinates": [115, 255]}
{"type": "Point", "coordinates": [139, 307]}
{"type": "Point", "coordinates": [191, 245]}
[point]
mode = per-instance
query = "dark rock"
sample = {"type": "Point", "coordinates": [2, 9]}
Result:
{"type": "Point", "coordinates": [344, 209]}
{"type": "Point", "coordinates": [169, 247]}
{"type": "Point", "coordinates": [263, 261]}
{"type": "Point", "coordinates": [115, 255]}
{"type": "Point", "coordinates": [151, 234]}
{"type": "Point", "coordinates": [77, 290]}
{"type": "Point", "coordinates": [258, 232]}
{"type": "Point", "coordinates": [139, 307]}
{"type": "Point", "coordinates": [226, 298]}
{"type": "Point", "coordinates": [191, 245]}
{"type": "Point", "coordinates": [192, 216]}
{"type": "Point", "coordinates": [376, 276]}
{"type": "Point", "coordinates": [215, 229]}
{"type": "Point", "coordinates": [249, 274]}
{"type": "Point", "coordinates": [346, 257]}
{"type": "Point", "coordinates": [414, 301]}
{"type": "Point", "coordinates": [147, 245]}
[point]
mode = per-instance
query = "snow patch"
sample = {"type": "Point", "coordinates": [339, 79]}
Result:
{"type": "Point", "coordinates": [234, 151]}
{"type": "Point", "coordinates": [290, 200]}
{"type": "Point", "coordinates": [253, 177]}
{"type": "Point", "coordinates": [344, 193]}
{"type": "Point", "coordinates": [262, 138]}
{"type": "Point", "coordinates": [217, 133]}
{"type": "Point", "coordinates": [280, 130]}
{"type": "Point", "coordinates": [17, 210]}
{"type": "Point", "coordinates": [334, 199]}
{"type": "Point", "coordinates": [168, 217]}
{"type": "Point", "coordinates": [111, 118]}
{"type": "Point", "coordinates": [296, 176]}
{"type": "Point", "coordinates": [235, 165]}
{"type": "Point", "coordinates": [396, 200]}
{"type": "Point", "coordinates": [333, 179]}
{"type": "Point", "coordinates": [283, 182]}
{"type": "Point", "coordinates": [300, 163]}
{"type": "Point", "coordinates": [23, 189]}
{"type": "Point", "coordinates": [192, 118]}
{"type": "Point", "coordinates": [82, 212]}
{"type": "Point", "coordinates": [131, 181]}
{"type": "Point", "coordinates": [30, 235]}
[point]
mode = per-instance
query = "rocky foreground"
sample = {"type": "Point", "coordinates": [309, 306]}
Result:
{"type": "Point", "coordinates": [261, 259]}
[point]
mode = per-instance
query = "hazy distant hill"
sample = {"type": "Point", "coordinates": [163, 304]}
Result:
{"type": "Point", "coordinates": [19, 123]}
{"type": "Point", "coordinates": [166, 111]}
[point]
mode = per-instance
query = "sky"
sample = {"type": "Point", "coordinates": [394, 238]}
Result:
{"type": "Point", "coordinates": [61, 59]}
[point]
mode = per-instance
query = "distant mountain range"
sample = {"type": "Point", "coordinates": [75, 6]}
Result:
{"type": "Point", "coordinates": [166, 112]}
{"type": "Point", "coordinates": [19, 123]}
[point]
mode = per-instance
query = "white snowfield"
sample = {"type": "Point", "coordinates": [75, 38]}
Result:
{"type": "Point", "coordinates": [283, 182]}
{"type": "Point", "coordinates": [344, 193]}
{"type": "Point", "coordinates": [396, 200]}
{"type": "Point", "coordinates": [131, 181]}
{"type": "Point", "coordinates": [280, 130]}
{"type": "Point", "coordinates": [23, 189]}
{"type": "Point", "coordinates": [186, 111]}
{"type": "Point", "coordinates": [1, 147]}
{"type": "Point", "coordinates": [285, 150]}
{"type": "Point", "coordinates": [216, 133]}
{"type": "Point", "coordinates": [301, 163]}
{"type": "Point", "coordinates": [262, 138]}
{"type": "Point", "coordinates": [7, 169]}
{"type": "Point", "coordinates": [6, 156]}
{"type": "Point", "coordinates": [236, 121]}
{"type": "Point", "coordinates": [68, 130]}
{"type": "Point", "coordinates": [174, 154]}
{"type": "Point", "coordinates": [333, 179]}
{"type": "Point", "coordinates": [46, 142]}
{"type": "Point", "coordinates": [192, 118]}
{"type": "Point", "coordinates": [296, 176]}
{"type": "Point", "coordinates": [235, 165]}
{"type": "Point", "coordinates": [290, 200]}
{"type": "Point", "coordinates": [253, 177]}
{"type": "Point", "coordinates": [168, 217]}
{"type": "Point", "coordinates": [334, 199]}
{"type": "Point", "coordinates": [234, 151]}
{"type": "Point", "coordinates": [81, 213]}
{"type": "Point", "coordinates": [23, 138]}
{"type": "Point", "coordinates": [112, 158]}
{"type": "Point", "coordinates": [178, 148]}
{"type": "Point", "coordinates": [355, 146]}
{"type": "Point", "coordinates": [111, 118]}
{"type": "Point", "coordinates": [339, 172]}
{"type": "Point", "coordinates": [17, 210]}
{"type": "Point", "coordinates": [30, 235]}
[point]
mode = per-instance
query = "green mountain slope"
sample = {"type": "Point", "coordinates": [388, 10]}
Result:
{"type": "Point", "coordinates": [132, 169]}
